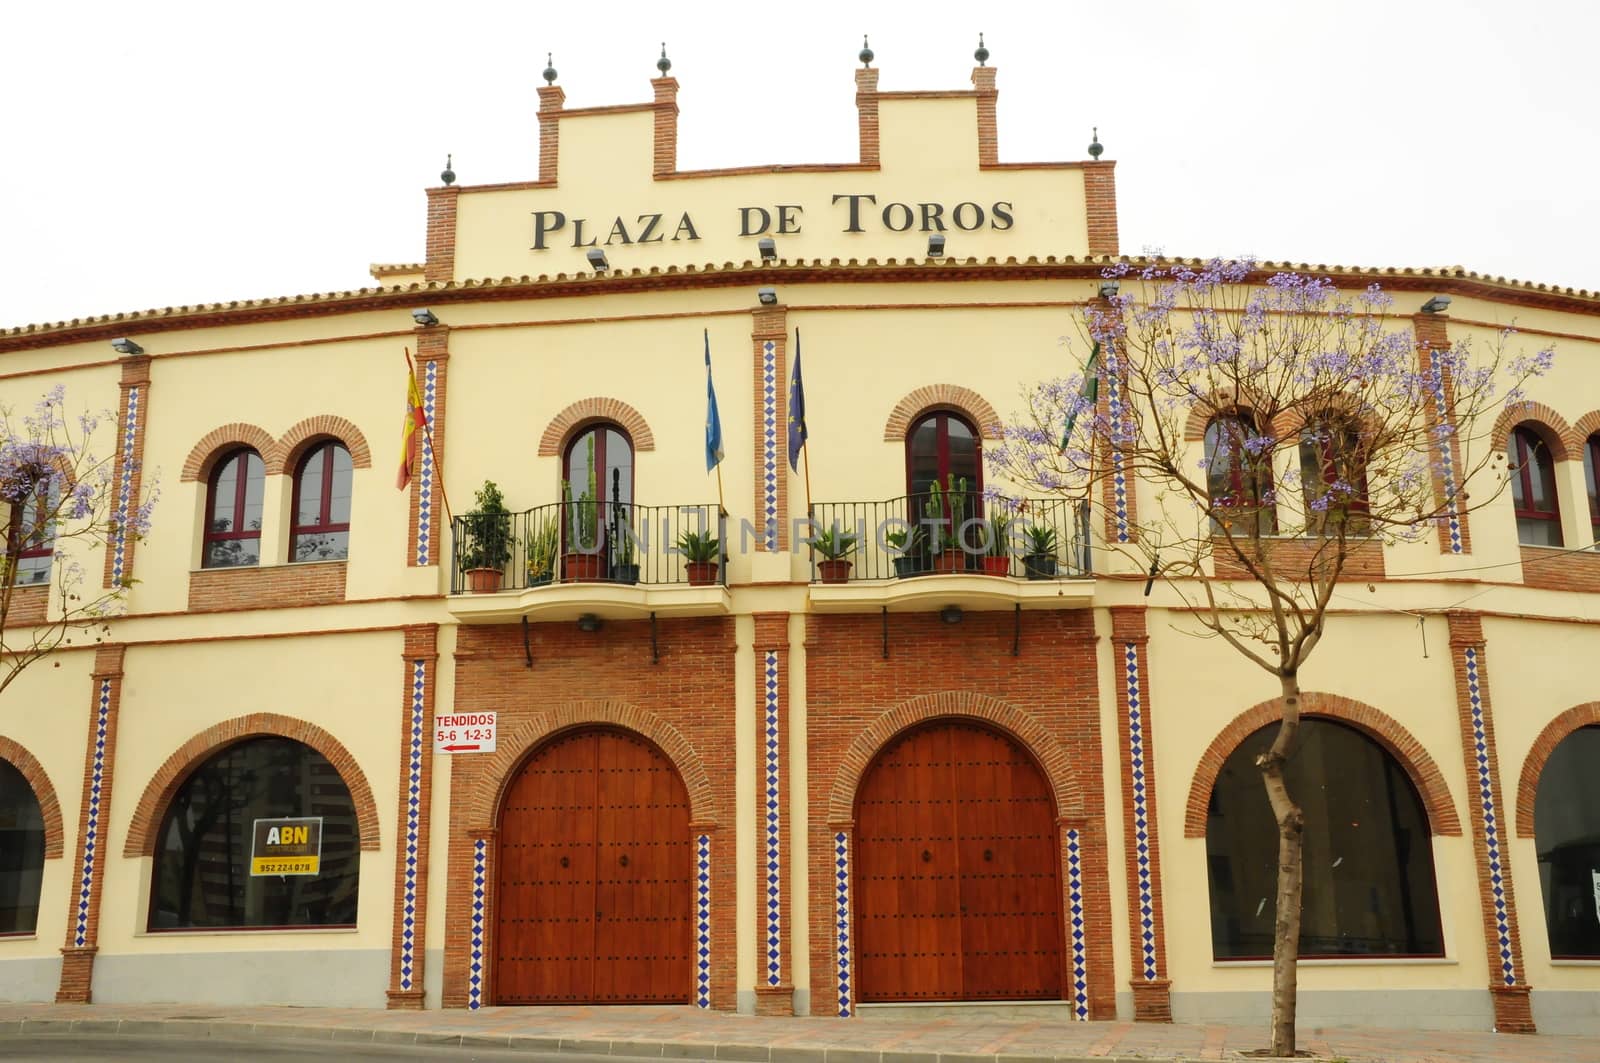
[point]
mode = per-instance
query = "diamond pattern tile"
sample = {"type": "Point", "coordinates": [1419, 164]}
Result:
{"type": "Point", "coordinates": [769, 442]}
{"type": "Point", "coordinates": [419, 687]}
{"type": "Point", "coordinates": [91, 834]}
{"type": "Point", "coordinates": [1491, 828]}
{"type": "Point", "coordinates": [1119, 479]}
{"type": "Point", "coordinates": [475, 969]}
{"type": "Point", "coordinates": [1447, 468]}
{"type": "Point", "coordinates": [1080, 952]}
{"type": "Point", "coordinates": [119, 535]}
{"type": "Point", "coordinates": [841, 913]}
{"type": "Point", "coordinates": [1141, 821]}
{"type": "Point", "coordinates": [774, 972]}
{"type": "Point", "coordinates": [430, 394]}
{"type": "Point", "coordinates": [702, 921]}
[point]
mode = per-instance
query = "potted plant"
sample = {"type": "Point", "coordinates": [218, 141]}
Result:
{"type": "Point", "coordinates": [486, 540]}
{"type": "Point", "coordinates": [835, 545]}
{"type": "Point", "coordinates": [701, 551]}
{"type": "Point", "coordinates": [1040, 560]}
{"type": "Point", "coordinates": [905, 549]}
{"type": "Point", "coordinates": [624, 569]}
{"type": "Point", "coordinates": [945, 510]}
{"type": "Point", "coordinates": [583, 560]}
{"type": "Point", "coordinates": [541, 547]}
{"type": "Point", "coordinates": [997, 562]}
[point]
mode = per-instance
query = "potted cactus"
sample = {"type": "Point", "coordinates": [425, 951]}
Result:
{"type": "Point", "coordinates": [997, 562]}
{"type": "Point", "coordinates": [583, 560]}
{"type": "Point", "coordinates": [485, 545]}
{"type": "Point", "coordinates": [1040, 560]}
{"type": "Point", "coordinates": [835, 547]}
{"type": "Point", "coordinates": [701, 552]}
{"type": "Point", "coordinates": [541, 547]}
{"type": "Point", "coordinates": [624, 569]}
{"type": "Point", "coordinates": [944, 510]}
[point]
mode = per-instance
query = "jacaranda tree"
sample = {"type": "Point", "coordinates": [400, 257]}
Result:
{"type": "Point", "coordinates": [59, 503]}
{"type": "Point", "coordinates": [1279, 424]}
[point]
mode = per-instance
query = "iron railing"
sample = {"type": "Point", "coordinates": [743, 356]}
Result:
{"type": "Point", "coordinates": [584, 542]}
{"type": "Point", "coordinates": [919, 535]}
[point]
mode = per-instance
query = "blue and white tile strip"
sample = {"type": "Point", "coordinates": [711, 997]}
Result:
{"type": "Point", "coordinates": [91, 834]}
{"type": "Point", "coordinates": [119, 540]}
{"type": "Point", "coordinates": [1447, 466]}
{"type": "Point", "coordinates": [430, 394]}
{"type": "Point", "coordinates": [1491, 824]}
{"type": "Point", "coordinates": [408, 926]}
{"type": "Point", "coordinates": [1119, 477]}
{"type": "Point", "coordinates": [480, 874]}
{"type": "Point", "coordinates": [1141, 820]}
{"type": "Point", "coordinates": [1080, 964]}
{"type": "Point", "coordinates": [774, 883]}
{"type": "Point", "coordinates": [841, 919]}
{"type": "Point", "coordinates": [769, 443]}
{"type": "Point", "coordinates": [702, 921]}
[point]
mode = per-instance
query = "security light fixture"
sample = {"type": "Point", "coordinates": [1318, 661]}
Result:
{"type": "Point", "coordinates": [950, 614]}
{"type": "Point", "coordinates": [423, 316]}
{"type": "Point", "coordinates": [597, 259]}
{"type": "Point", "coordinates": [769, 249]}
{"type": "Point", "coordinates": [126, 346]}
{"type": "Point", "coordinates": [1108, 289]}
{"type": "Point", "coordinates": [1437, 305]}
{"type": "Point", "coordinates": [768, 296]}
{"type": "Point", "coordinates": [588, 622]}
{"type": "Point", "coordinates": [935, 245]}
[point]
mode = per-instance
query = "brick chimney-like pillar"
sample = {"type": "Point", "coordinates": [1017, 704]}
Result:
{"type": "Point", "coordinates": [988, 137]}
{"type": "Point", "coordinates": [867, 107]}
{"type": "Point", "coordinates": [666, 157]}
{"type": "Point", "coordinates": [551, 97]}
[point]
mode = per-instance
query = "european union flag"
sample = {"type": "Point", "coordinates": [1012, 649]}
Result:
{"type": "Point", "coordinates": [797, 409]}
{"type": "Point", "coordinates": [714, 453]}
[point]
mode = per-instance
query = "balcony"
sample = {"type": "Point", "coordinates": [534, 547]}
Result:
{"type": "Point", "coordinates": [566, 559]}
{"type": "Point", "coordinates": [908, 553]}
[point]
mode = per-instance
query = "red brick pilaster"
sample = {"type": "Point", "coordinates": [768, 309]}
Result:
{"type": "Point", "coordinates": [774, 982]}
{"type": "Point", "coordinates": [1508, 987]}
{"type": "Point", "coordinates": [419, 663]}
{"type": "Point", "coordinates": [1152, 997]}
{"type": "Point", "coordinates": [867, 114]}
{"type": "Point", "coordinates": [551, 98]}
{"type": "Point", "coordinates": [1432, 335]}
{"type": "Point", "coordinates": [127, 477]}
{"type": "Point", "coordinates": [1100, 200]}
{"type": "Point", "coordinates": [666, 106]}
{"type": "Point", "coordinates": [429, 542]}
{"type": "Point", "coordinates": [988, 134]}
{"type": "Point", "coordinates": [83, 909]}
{"type": "Point", "coordinates": [769, 336]}
{"type": "Point", "coordinates": [441, 261]}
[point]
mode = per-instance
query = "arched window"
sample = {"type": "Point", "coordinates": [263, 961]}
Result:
{"type": "Point", "coordinates": [233, 511]}
{"type": "Point", "coordinates": [1239, 477]}
{"type": "Point", "coordinates": [21, 852]}
{"type": "Point", "coordinates": [321, 530]}
{"type": "Point", "coordinates": [1533, 489]}
{"type": "Point", "coordinates": [207, 865]}
{"type": "Point", "coordinates": [1591, 477]}
{"type": "Point", "coordinates": [1333, 477]}
{"type": "Point", "coordinates": [943, 448]}
{"type": "Point", "coordinates": [1566, 816]}
{"type": "Point", "coordinates": [31, 534]}
{"type": "Point", "coordinates": [597, 466]}
{"type": "Point", "coordinates": [1369, 884]}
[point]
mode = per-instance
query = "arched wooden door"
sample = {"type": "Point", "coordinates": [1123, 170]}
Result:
{"type": "Point", "coordinates": [594, 899]}
{"type": "Point", "coordinates": [957, 887]}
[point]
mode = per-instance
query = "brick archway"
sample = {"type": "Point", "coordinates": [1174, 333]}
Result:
{"type": "Point", "coordinates": [587, 411]}
{"type": "Point", "coordinates": [1557, 434]}
{"type": "Point", "coordinates": [965, 401]}
{"type": "Point", "coordinates": [43, 792]}
{"type": "Point", "coordinates": [164, 784]}
{"type": "Point", "coordinates": [219, 441]}
{"type": "Point", "coordinates": [1585, 715]}
{"type": "Point", "coordinates": [298, 439]}
{"type": "Point", "coordinates": [1052, 757]}
{"type": "Point", "coordinates": [1396, 741]}
{"type": "Point", "coordinates": [518, 743]}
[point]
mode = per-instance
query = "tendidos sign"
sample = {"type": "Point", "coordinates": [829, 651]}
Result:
{"type": "Point", "coordinates": [852, 212]}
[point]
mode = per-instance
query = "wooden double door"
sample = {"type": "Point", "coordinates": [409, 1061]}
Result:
{"type": "Point", "coordinates": [957, 883]}
{"type": "Point", "coordinates": [594, 886]}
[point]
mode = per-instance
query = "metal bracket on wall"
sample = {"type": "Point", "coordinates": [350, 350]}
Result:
{"type": "Point", "coordinates": [1016, 632]}
{"type": "Point", "coordinates": [655, 649]}
{"type": "Point", "coordinates": [527, 646]}
{"type": "Point", "coordinates": [886, 632]}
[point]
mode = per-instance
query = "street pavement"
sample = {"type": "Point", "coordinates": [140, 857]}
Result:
{"type": "Point", "coordinates": [944, 1036]}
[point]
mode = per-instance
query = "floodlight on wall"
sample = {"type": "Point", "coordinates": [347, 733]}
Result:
{"type": "Point", "coordinates": [769, 249]}
{"type": "Point", "coordinates": [424, 317]}
{"type": "Point", "coordinates": [935, 245]}
{"type": "Point", "coordinates": [1109, 289]}
{"type": "Point", "coordinates": [588, 622]}
{"type": "Point", "coordinates": [1437, 305]}
{"type": "Point", "coordinates": [950, 614]}
{"type": "Point", "coordinates": [126, 346]}
{"type": "Point", "coordinates": [597, 259]}
{"type": "Point", "coordinates": [768, 296]}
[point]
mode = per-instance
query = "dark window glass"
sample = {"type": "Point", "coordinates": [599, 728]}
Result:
{"type": "Point", "coordinates": [1533, 489]}
{"type": "Point", "coordinates": [1369, 886]}
{"type": "Point", "coordinates": [1333, 477]}
{"type": "Point", "coordinates": [32, 536]}
{"type": "Point", "coordinates": [943, 448]}
{"type": "Point", "coordinates": [1566, 816]}
{"type": "Point", "coordinates": [233, 511]}
{"type": "Point", "coordinates": [202, 864]}
{"type": "Point", "coordinates": [321, 529]}
{"type": "Point", "coordinates": [21, 852]}
{"type": "Point", "coordinates": [1239, 477]}
{"type": "Point", "coordinates": [598, 462]}
{"type": "Point", "coordinates": [1591, 477]}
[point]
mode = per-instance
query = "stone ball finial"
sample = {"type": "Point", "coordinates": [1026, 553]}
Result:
{"type": "Point", "coordinates": [663, 64]}
{"type": "Point", "coordinates": [982, 54]}
{"type": "Point", "coordinates": [449, 174]}
{"type": "Point", "coordinates": [1096, 149]}
{"type": "Point", "coordinates": [866, 52]}
{"type": "Point", "coordinates": [549, 69]}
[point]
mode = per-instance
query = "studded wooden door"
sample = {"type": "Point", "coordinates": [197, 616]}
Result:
{"type": "Point", "coordinates": [594, 888]}
{"type": "Point", "coordinates": [957, 871]}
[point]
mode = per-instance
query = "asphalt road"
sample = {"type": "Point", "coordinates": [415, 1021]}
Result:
{"type": "Point", "coordinates": [95, 1048]}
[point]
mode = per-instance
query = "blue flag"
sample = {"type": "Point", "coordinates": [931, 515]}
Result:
{"type": "Point", "coordinates": [797, 409]}
{"type": "Point", "coordinates": [714, 451]}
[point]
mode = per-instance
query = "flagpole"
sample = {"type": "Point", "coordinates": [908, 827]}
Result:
{"type": "Point", "coordinates": [722, 506]}
{"type": "Point", "coordinates": [438, 469]}
{"type": "Point", "coordinates": [805, 460]}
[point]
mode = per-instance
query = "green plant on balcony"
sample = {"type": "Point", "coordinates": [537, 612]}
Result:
{"type": "Point", "coordinates": [541, 547]}
{"type": "Point", "coordinates": [1040, 560]}
{"type": "Point", "coordinates": [701, 551]}
{"type": "Point", "coordinates": [582, 559]}
{"type": "Point", "coordinates": [905, 546]}
{"type": "Point", "coordinates": [624, 569]}
{"type": "Point", "coordinates": [944, 510]}
{"type": "Point", "coordinates": [835, 545]}
{"type": "Point", "coordinates": [485, 545]}
{"type": "Point", "coordinates": [997, 562]}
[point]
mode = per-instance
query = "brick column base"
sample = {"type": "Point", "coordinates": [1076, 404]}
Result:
{"type": "Point", "coordinates": [774, 1000]}
{"type": "Point", "coordinates": [77, 968]}
{"type": "Point", "coordinates": [1513, 1011]}
{"type": "Point", "coordinates": [1152, 1000]}
{"type": "Point", "coordinates": [405, 999]}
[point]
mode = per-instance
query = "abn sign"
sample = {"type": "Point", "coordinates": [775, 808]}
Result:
{"type": "Point", "coordinates": [286, 846]}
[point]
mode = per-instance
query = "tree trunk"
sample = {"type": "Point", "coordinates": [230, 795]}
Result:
{"type": "Point", "coordinates": [1291, 830]}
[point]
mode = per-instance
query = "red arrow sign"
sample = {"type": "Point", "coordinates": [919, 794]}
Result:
{"type": "Point", "coordinates": [458, 749]}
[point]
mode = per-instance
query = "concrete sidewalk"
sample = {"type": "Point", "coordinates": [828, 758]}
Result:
{"type": "Point", "coordinates": [679, 1032]}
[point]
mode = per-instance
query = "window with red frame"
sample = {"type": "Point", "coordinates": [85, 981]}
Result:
{"type": "Point", "coordinates": [599, 459]}
{"type": "Point", "coordinates": [1591, 477]}
{"type": "Point", "coordinates": [233, 511]}
{"type": "Point", "coordinates": [321, 530]}
{"type": "Point", "coordinates": [1240, 485]}
{"type": "Point", "coordinates": [1333, 478]}
{"type": "Point", "coordinates": [1533, 489]}
{"type": "Point", "coordinates": [31, 539]}
{"type": "Point", "coordinates": [943, 448]}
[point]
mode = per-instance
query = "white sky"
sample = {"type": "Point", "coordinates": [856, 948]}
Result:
{"type": "Point", "coordinates": [172, 152]}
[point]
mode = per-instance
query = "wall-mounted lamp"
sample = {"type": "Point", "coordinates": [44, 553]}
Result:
{"type": "Point", "coordinates": [935, 245]}
{"type": "Point", "coordinates": [597, 259]}
{"type": "Point", "coordinates": [769, 249]}
{"type": "Point", "coordinates": [1108, 289]}
{"type": "Point", "coordinates": [1437, 305]}
{"type": "Point", "coordinates": [950, 614]}
{"type": "Point", "coordinates": [588, 622]}
{"type": "Point", "coordinates": [126, 346]}
{"type": "Point", "coordinates": [768, 296]}
{"type": "Point", "coordinates": [424, 317]}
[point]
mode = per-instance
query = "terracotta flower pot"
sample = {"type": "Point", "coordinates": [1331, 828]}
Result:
{"type": "Point", "coordinates": [997, 566]}
{"type": "Point", "coordinates": [834, 571]}
{"type": "Point", "coordinates": [582, 568]}
{"type": "Point", "coordinates": [701, 573]}
{"type": "Point", "coordinates": [483, 580]}
{"type": "Point", "coordinates": [950, 561]}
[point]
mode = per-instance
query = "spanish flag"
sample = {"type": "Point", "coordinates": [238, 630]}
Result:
{"type": "Point", "coordinates": [411, 432]}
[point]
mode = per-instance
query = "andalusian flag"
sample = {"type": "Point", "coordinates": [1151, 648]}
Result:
{"type": "Point", "coordinates": [714, 453]}
{"type": "Point", "coordinates": [411, 432]}
{"type": "Point", "coordinates": [797, 409]}
{"type": "Point", "coordinates": [1087, 395]}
